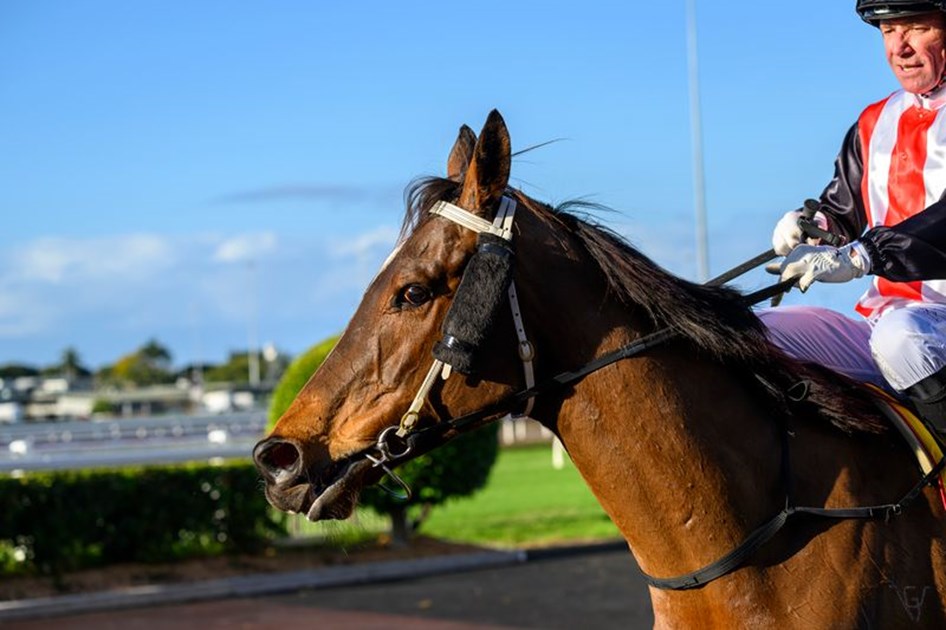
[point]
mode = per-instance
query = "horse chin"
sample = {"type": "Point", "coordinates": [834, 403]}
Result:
{"type": "Point", "coordinates": [340, 496]}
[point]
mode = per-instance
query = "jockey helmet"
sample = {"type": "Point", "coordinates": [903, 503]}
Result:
{"type": "Point", "coordinates": [874, 11]}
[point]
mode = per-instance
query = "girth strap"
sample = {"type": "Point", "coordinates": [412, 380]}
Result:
{"type": "Point", "coordinates": [735, 558]}
{"type": "Point", "coordinates": [728, 563]}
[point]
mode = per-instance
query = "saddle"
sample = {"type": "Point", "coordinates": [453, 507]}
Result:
{"type": "Point", "coordinates": [926, 446]}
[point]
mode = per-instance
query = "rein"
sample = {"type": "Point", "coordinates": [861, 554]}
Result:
{"type": "Point", "coordinates": [397, 444]}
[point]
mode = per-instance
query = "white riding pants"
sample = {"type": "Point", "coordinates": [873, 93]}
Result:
{"type": "Point", "coordinates": [898, 349]}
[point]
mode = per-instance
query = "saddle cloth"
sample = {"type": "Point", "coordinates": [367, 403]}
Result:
{"type": "Point", "coordinates": [923, 444]}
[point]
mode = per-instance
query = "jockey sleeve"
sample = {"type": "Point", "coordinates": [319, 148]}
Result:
{"type": "Point", "coordinates": [841, 200]}
{"type": "Point", "coordinates": [914, 249]}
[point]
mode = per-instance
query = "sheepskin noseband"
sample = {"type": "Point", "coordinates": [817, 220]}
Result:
{"type": "Point", "coordinates": [475, 309]}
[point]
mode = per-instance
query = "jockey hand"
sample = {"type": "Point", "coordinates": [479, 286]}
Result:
{"type": "Point", "coordinates": [788, 235]}
{"type": "Point", "coordinates": [825, 264]}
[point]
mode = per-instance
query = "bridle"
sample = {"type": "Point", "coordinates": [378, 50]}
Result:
{"type": "Point", "coordinates": [393, 445]}
{"type": "Point", "coordinates": [501, 227]}
{"type": "Point", "coordinates": [397, 444]}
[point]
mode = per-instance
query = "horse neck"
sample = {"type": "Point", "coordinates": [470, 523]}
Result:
{"type": "Point", "coordinates": [653, 436]}
{"type": "Point", "coordinates": [658, 441]}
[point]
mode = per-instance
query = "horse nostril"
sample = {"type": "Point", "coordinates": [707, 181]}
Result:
{"type": "Point", "coordinates": [277, 458]}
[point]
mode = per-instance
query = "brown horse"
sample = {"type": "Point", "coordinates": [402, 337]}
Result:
{"type": "Point", "coordinates": [689, 446]}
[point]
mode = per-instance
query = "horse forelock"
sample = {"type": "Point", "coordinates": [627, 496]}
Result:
{"type": "Point", "coordinates": [715, 321]}
{"type": "Point", "coordinates": [420, 197]}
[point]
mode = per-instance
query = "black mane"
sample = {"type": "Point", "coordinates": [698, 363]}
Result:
{"type": "Point", "coordinates": [716, 321]}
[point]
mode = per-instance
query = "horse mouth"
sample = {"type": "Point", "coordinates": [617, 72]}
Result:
{"type": "Point", "coordinates": [336, 496]}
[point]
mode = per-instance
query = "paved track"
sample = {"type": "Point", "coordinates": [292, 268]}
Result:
{"type": "Point", "coordinates": [588, 591]}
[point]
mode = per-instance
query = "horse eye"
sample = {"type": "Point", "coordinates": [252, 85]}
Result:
{"type": "Point", "coordinates": [414, 295]}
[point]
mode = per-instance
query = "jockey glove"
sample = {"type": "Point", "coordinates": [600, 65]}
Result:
{"type": "Point", "coordinates": [825, 264]}
{"type": "Point", "coordinates": [788, 234]}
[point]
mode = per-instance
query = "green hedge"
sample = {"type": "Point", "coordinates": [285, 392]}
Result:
{"type": "Point", "coordinates": [60, 521]}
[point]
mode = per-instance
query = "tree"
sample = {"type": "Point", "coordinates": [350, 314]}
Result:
{"type": "Point", "coordinates": [457, 469]}
{"type": "Point", "coordinates": [149, 365]}
{"type": "Point", "coordinates": [235, 370]}
{"type": "Point", "coordinates": [16, 370]}
{"type": "Point", "coordinates": [102, 406]}
{"type": "Point", "coordinates": [155, 355]}
{"type": "Point", "coordinates": [70, 365]}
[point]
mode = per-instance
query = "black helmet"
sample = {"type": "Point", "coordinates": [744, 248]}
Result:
{"type": "Point", "coordinates": [873, 11]}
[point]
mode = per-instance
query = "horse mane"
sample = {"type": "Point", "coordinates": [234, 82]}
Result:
{"type": "Point", "coordinates": [716, 321]}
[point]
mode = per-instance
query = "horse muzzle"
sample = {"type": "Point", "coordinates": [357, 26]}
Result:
{"type": "Point", "coordinates": [327, 491]}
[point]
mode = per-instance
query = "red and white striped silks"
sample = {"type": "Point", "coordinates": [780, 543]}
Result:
{"type": "Point", "coordinates": [903, 141]}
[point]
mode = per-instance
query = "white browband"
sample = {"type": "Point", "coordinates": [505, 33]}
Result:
{"type": "Point", "coordinates": [500, 226]}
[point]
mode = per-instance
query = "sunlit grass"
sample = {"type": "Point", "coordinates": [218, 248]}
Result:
{"type": "Point", "coordinates": [527, 502]}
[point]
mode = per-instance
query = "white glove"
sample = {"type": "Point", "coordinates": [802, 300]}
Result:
{"type": "Point", "coordinates": [787, 235]}
{"type": "Point", "coordinates": [825, 264]}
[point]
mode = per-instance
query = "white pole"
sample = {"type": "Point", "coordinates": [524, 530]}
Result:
{"type": "Point", "coordinates": [253, 328]}
{"type": "Point", "coordinates": [558, 454]}
{"type": "Point", "coordinates": [696, 129]}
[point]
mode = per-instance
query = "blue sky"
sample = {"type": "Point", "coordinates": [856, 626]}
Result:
{"type": "Point", "coordinates": [181, 170]}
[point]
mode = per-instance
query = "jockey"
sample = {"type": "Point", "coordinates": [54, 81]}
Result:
{"type": "Point", "coordinates": [886, 201]}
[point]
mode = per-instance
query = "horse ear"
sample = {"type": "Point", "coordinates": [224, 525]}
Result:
{"type": "Point", "coordinates": [461, 154]}
{"type": "Point", "coordinates": [488, 173]}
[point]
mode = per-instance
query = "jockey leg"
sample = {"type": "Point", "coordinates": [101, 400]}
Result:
{"type": "Point", "coordinates": [909, 346]}
{"type": "Point", "coordinates": [825, 337]}
{"type": "Point", "coordinates": [929, 398]}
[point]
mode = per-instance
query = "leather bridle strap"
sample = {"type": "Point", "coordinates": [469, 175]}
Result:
{"type": "Point", "coordinates": [432, 435]}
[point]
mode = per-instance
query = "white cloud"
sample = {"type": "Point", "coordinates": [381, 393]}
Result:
{"type": "Point", "coordinates": [106, 294]}
{"type": "Point", "coordinates": [366, 244]}
{"type": "Point", "coordinates": [245, 247]}
{"type": "Point", "coordinates": [55, 260]}
{"type": "Point", "coordinates": [134, 280]}
{"type": "Point", "coordinates": [21, 314]}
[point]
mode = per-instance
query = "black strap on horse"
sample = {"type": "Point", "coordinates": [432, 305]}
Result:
{"type": "Point", "coordinates": [735, 558]}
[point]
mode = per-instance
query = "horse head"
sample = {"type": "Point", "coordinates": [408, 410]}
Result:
{"type": "Point", "coordinates": [313, 461]}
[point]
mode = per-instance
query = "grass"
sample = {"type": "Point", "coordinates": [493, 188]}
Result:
{"type": "Point", "coordinates": [526, 503]}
